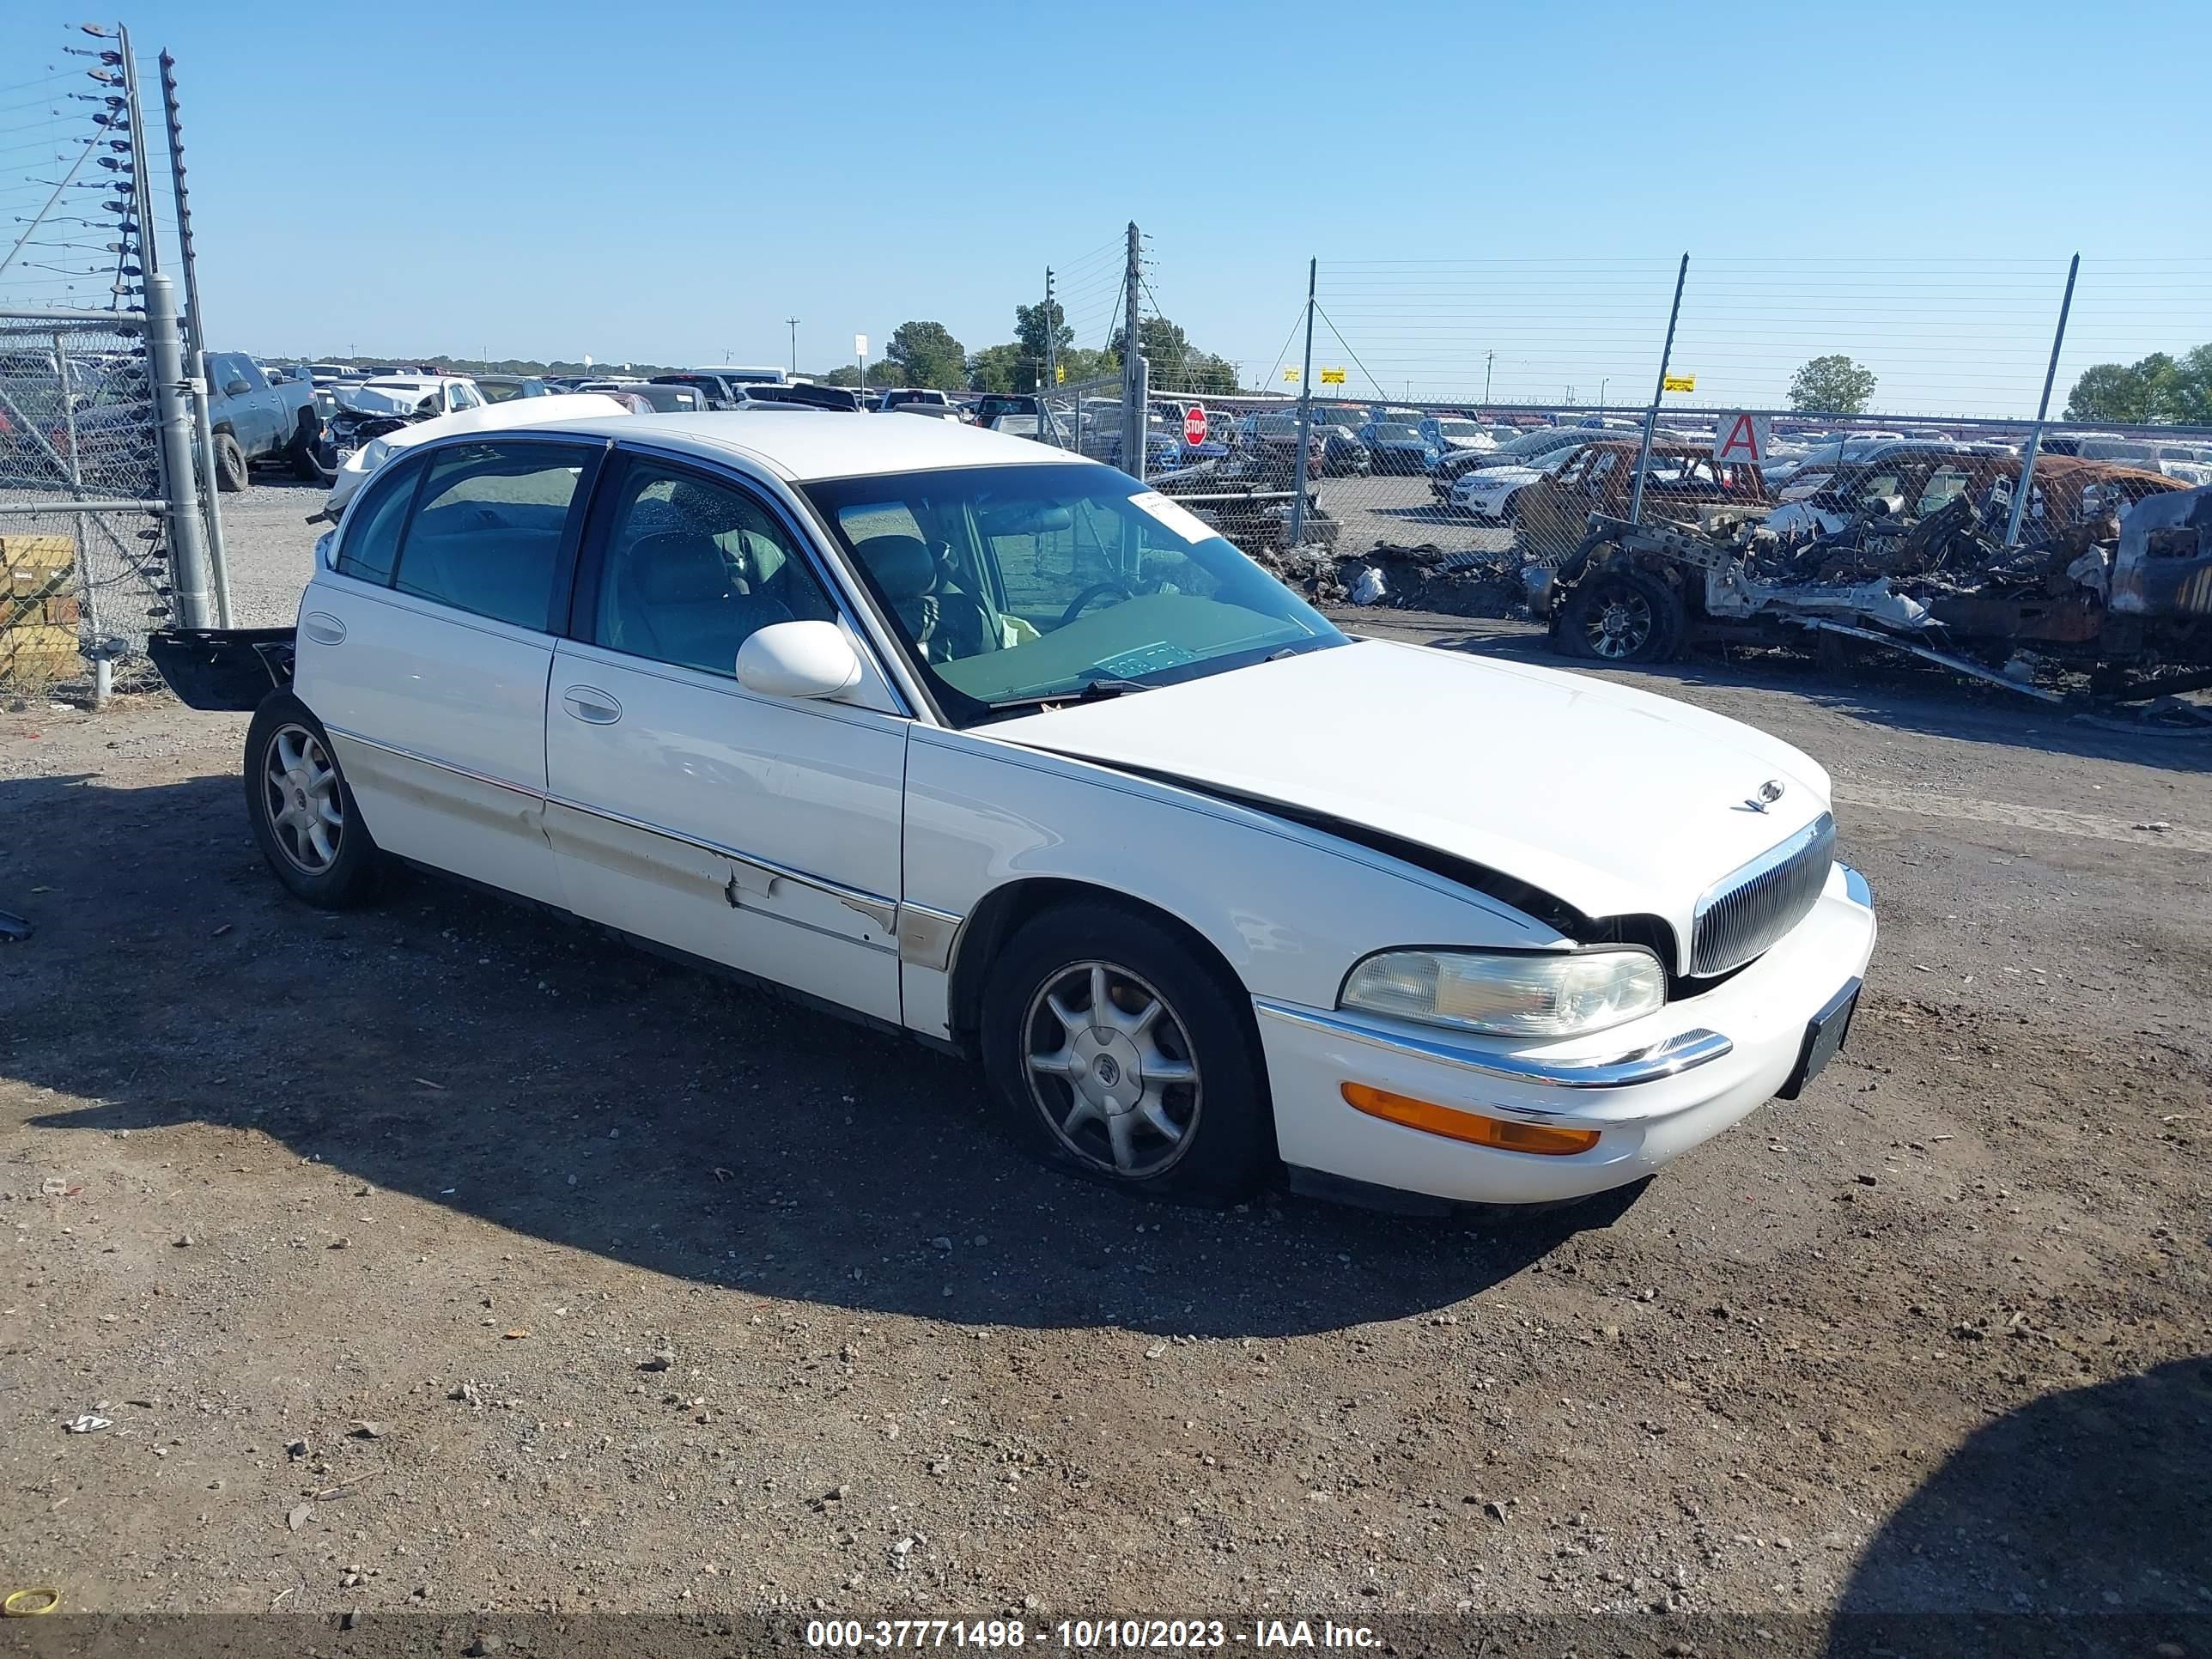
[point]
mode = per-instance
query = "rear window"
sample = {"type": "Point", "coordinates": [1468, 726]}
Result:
{"type": "Point", "coordinates": [486, 536]}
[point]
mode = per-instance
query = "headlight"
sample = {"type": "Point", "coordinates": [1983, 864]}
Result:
{"type": "Point", "coordinates": [1544, 995]}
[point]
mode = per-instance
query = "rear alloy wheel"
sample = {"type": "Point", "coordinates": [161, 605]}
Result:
{"type": "Point", "coordinates": [1622, 616]}
{"type": "Point", "coordinates": [1116, 1054]}
{"type": "Point", "coordinates": [303, 815]}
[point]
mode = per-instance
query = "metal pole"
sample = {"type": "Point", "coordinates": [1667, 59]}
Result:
{"type": "Point", "coordinates": [188, 558]}
{"type": "Point", "coordinates": [1305, 418]}
{"type": "Point", "coordinates": [1651, 416]}
{"type": "Point", "coordinates": [2042, 413]}
{"type": "Point", "coordinates": [103, 669]}
{"type": "Point", "coordinates": [794, 322]}
{"type": "Point", "coordinates": [195, 343]}
{"type": "Point", "coordinates": [1132, 411]}
{"type": "Point", "coordinates": [1489, 361]}
{"type": "Point", "coordinates": [1051, 377]}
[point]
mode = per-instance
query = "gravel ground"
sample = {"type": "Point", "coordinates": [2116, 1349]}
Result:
{"type": "Point", "coordinates": [442, 1257]}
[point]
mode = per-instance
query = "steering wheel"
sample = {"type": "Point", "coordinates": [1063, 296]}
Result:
{"type": "Point", "coordinates": [1096, 590]}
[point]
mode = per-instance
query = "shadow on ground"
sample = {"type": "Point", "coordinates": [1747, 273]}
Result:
{"type": "Point", "coordinates": [2080, 1524]}
{"type": "Point", "coordinates": [524, 1071]}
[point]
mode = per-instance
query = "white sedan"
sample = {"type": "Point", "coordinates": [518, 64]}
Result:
{"type": "Point", "coordinates": [1494, 492]}
{"type": "Point", "coordinates": [955, 734]}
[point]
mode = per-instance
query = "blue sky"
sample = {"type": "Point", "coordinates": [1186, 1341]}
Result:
{"type": "Point", "coordinates": [669, 182]}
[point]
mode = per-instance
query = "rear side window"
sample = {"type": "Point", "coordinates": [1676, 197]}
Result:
{"type": "Point", "coordinates": [486, 535]}
{"type": "Point", "coordinates": [371, 546]}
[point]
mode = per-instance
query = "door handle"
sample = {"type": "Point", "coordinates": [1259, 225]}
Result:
{"type": "Point", "coordinates": [322, 628]}
{"type": "Point", "coordinates": [591, 705]}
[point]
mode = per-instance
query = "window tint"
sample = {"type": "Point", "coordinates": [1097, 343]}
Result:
{"type": "Point", "coordinates": [694, 568]}
{"type": "Point", "coordinates": [486, 536]}
{"type": "Point", "coordinates": [372, 537]}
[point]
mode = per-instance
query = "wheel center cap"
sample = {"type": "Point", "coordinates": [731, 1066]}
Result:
{"type": "Point", "coordinates": [1109, 1070]}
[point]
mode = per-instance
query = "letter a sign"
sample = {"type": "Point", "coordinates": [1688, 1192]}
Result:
{"type": "Point", "coordinates": [1742, 440]}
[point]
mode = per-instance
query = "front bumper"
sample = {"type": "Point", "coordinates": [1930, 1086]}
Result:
{"type": "Point", "coordinates": [1653, 1089]}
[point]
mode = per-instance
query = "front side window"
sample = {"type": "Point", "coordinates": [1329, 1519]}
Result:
{"type": "Point", "coordinates": [694, 567]}
{"type": "Point", "coordinates": [486, 533]}
{"type": "Point", "coordinates": [1014, 585]}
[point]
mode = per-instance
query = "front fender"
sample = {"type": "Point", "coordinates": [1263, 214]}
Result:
{"type": "Point", "coordinates": [1289, 908]}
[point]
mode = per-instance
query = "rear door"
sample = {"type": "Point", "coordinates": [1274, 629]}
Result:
{"type": "Point", "coordinates": [425, 651]}
{"type": "Point", "coordinates": [762, 832]}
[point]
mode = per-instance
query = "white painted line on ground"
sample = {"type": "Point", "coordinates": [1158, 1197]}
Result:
{"type": "Point", "coordinates": [2048, 819]}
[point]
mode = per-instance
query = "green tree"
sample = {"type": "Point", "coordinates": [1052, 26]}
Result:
{"type": "Point", "coordinates": [843, 374]}
{"type": "Point", "coordinates": [2153, 391]}
{"type": "Point", "coordinates": [1031, 327]}
{"type": "Point", "coordinates": [927, 354]}
{"type": "Point", "coordinates": [1004, 368]}
{"type": "Point", "coordinates": [1832, 384]}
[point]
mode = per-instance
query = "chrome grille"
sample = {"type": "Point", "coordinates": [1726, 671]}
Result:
{"type": "Point", "coordinates": [1748, 909]}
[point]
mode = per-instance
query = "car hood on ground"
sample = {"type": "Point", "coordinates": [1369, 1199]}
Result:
{"type": "Point", "coordinates": [1613, 800]}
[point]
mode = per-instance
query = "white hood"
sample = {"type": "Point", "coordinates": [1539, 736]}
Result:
{"type": "Point", "coordinates": [1488, 480]}
{"type": "Point", "coordinates": [1613, 799]}
{"type": "Point", "coordinates": [514, 412]}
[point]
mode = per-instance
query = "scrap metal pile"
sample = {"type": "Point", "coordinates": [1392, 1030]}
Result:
{"type": "Point", "coordinates": [1423, 577]}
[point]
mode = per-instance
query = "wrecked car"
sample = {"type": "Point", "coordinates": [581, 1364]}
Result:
{"type": "Point", "coordinates": [1938, 582]}
{"type": "Point", "coordinates": [1681, 478]}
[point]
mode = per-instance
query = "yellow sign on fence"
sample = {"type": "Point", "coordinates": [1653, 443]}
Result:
{"type": "Point", "coordinates": [1290, 374]}
{"type": "Point", "coordinates": [1060, 373]}
{"type": "Point", "coordinates": [1332, 377]}
{"type": "Point", "coordinates": [1679, 383]}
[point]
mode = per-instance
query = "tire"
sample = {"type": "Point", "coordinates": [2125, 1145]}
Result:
{"type": "Point", "coordinates": [1622, 616]}
{"type": "Point", "coordinates": [230, 475]}
{"type": "Point", "coordinates": [301, 455]}
{"type": "Point", "coordinates": [1037, 1006]}
{"type": "Point", "coordinates": [286, 751]}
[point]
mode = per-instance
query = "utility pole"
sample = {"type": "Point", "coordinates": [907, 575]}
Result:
{"type": "Point", "coordinates": [1305, 417]}
{"type": "Point", "coordinates": [195, 342]}
{"type": "Point", "coordinates": [1133, 409]}
{"type": "Point", "coordinates": [1489, 361]}
{"type": "Point", "coordinates": [793, 323]}
{"type": "Point", "coordinates": [2042, 413]}
{"type": "Point", "coordinates": [1051, 330]}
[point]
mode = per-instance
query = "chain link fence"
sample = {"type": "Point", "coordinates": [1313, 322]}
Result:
{"type": "Point", "coordinates": [84, 552]}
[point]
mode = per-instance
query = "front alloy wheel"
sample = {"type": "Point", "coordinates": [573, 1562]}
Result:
{"type": "Point", "coordinates": [1120, 1046]}
{"type": "Point", "coordinates": [1110, 1069]}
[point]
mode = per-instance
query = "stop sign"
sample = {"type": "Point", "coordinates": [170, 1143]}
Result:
{"type": "Point", "coordinates": [1194, 425]}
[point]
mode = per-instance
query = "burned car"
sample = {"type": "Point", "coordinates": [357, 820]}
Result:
{"type": "Point", "coordinates": [1681, 479]}
{"type": "Point", "coordinates": [1925, 566]}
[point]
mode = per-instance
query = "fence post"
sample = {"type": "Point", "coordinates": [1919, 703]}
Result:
{"type": "Point", "coordinates": [1651, 415]}
{"type": "Point", "coordinates": [103, 666]}
{"type": "Point", "coordinates": [1133, 406]}
{"type": "Point", "coordinates": [1305, 418]}
{"type": "Point", "coordinates": [195, 343]}
{"type": "Point", "coordinates": [2027, 484]}
{"type": "Point", "coordinates": [188, 558]}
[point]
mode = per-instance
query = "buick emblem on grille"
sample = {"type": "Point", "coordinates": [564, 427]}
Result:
{"type": "Point", "coordinates": [1769, 793]}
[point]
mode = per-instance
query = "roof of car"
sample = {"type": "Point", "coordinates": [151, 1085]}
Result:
{"type": "Point", "coordinates": [802, 446]}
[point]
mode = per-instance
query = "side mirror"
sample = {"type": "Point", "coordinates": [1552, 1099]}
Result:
{"type": "Point", "coordinates": [798, 659]}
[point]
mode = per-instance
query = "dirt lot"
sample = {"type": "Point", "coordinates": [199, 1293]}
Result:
{"type": "Point", "coordinates": [438, 1256]}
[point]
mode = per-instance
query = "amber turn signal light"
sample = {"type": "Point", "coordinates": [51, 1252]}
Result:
{"type": "Point", "coordinates": [1456, 1125]}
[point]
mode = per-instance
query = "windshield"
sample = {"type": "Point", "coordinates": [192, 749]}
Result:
{"type": "Point", "coordinates": [1459, 429]}
{"type": "Point", "coordinates": [1391, 432]}
{"type": "Point", "coordinates": [2117, 449]}
{"type": "Point", "coordinates": [1009, 584]}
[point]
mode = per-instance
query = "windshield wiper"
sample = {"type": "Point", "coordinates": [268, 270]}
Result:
{"type": "Point", "coordinates": [1089, 691]}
